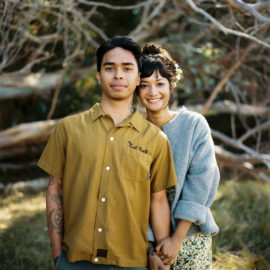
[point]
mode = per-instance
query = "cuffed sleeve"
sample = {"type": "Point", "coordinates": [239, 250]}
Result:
{"type": "Point", "coordinates": [191, 211]}
{"type": "Point", "coordinates": [211, 226]}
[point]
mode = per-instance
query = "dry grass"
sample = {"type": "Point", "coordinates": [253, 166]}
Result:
{"type": "Point", "coordinates": [242, 210]}
{"type": "Point", "coordinates": [24, 242]}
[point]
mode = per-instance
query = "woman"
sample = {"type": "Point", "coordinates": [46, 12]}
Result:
{"type": "Point", "coordinates": [189, 246]}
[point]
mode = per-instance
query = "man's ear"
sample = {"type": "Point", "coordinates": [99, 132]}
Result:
{"type": "Point", "coordinates": [98, 76]}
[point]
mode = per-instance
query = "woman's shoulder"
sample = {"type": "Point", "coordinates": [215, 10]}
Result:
{"type": "Point", "coordinates": [191, 118]}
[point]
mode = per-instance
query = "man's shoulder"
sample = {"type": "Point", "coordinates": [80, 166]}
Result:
{"type": "Point", "coordinates": [153, 131]}
{"type": "Point", "coordinates": [75, 119]}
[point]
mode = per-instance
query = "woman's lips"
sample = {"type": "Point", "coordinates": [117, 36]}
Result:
{"type": "Point", "coordinates": [153, 100]}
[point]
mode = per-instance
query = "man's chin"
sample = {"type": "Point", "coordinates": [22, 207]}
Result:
{"type": "Point", "coordinates": [120, 97]}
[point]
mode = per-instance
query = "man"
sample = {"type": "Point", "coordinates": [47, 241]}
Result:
{"type": "Point", "coordinates": [104, 164]}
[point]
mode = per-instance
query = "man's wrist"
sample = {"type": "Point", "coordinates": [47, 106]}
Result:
{"type": "Point", "coordinates": [151, 248]}
{"type": "Point", "coordinates": [55, 260]}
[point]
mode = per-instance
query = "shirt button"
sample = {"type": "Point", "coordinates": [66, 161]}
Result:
{"type": "Point", "coordinates": [100, 229]}
{"type": "Point", "coordinates": [103, 199]}
{"type": "Point", "coordinates": [112, 138]}
{"type": "Point", "coordinates": [108, 168]}
{"type": "Point", "coordinates": [96, 259]}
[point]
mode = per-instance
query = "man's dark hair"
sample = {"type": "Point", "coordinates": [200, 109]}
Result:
{"type": "Point", "coordinates": [123, 42]}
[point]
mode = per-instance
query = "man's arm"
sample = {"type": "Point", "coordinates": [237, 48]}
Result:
{"type": "Point", "coordinates": [160, 219]}
{"type": "Point", "coordinates": [54, 213]}
{"type": "Point", "coordinates": [160, 215]}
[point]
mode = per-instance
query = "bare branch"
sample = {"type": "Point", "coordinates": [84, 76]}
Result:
{"type": "Point", "coordinates": [226, 78]}
{"type": "Point", "coordinates": [106, 5]}
{"type": "Point", "coordinates": [257, 6]}
{"type": "Point", "coordinates": [254, 130]}
{"type": "Point", "coordinates": [225, 29]}
{"type": "Point", "coordinates": [251, 10]}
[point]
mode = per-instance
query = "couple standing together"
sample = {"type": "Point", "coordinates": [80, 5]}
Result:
{"type": "Point", "coordinates": [121, 193]}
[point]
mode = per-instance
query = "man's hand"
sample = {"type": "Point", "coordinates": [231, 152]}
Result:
{"type": "Point", "coordinates": [155, 263]}
{"type": "Point", "coordinates": [168, 248]}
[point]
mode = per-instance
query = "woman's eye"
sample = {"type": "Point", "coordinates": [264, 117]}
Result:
{"type": "Point", "coordinates": [143, 86]}
{"type": "Point", "coordinates": [160, 84]}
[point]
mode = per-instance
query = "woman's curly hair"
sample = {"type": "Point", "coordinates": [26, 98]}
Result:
{"type": "Point", "coordinates": [155, 58]}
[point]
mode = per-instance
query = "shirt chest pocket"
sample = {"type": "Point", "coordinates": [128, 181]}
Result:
{"type": "Point", "coordinates": [135, 165]}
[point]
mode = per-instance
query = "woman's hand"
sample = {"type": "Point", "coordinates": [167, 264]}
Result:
{"type": "Point", "coordinates": [155, 263]}
{"type": "Point", "coordinates": [168, 248]}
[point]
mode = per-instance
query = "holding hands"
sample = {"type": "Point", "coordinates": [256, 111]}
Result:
{"type": "Point", "coordinates": [165, 254]}
{"type": "Point", "coordinates": [167, 249]}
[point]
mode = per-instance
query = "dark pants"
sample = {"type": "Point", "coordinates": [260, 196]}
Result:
{"type": "Point", "coordinates": [64, 264]}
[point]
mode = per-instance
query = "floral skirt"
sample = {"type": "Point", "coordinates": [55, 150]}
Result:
{"type": "Point", "coordinates": [195, 253]}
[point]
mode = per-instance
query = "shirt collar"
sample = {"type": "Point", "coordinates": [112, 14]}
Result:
{"type": "Point", "coordinates": [96, 112]}
{"type": "Point", "coordinates": [135, 120]}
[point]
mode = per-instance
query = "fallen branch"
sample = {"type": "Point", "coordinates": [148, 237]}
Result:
{"type": "Point", "coordinates": [35, 132]}
{"type": "Point", "coordinates": [230, 107]}
{"type": "Point", "coordinates": [18, 85]}
{"type": "Point", "coordinates": [242, 163]}
{"type": "Point", "coordinates": [35, 185]}
{"type": "Point", "coordinates": [265, 159]}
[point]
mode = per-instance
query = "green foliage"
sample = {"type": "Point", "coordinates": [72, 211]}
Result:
{"type": "Point", "coordinates": [200, 66]}
{"type": "Point", "coordinates": [79, 96]}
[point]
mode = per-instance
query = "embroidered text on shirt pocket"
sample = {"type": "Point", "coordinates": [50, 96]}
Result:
{"type": "Point", "coordinates": [135, 165]}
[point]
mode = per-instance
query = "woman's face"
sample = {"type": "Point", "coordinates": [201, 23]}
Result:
{"type": "Point", "coordinates": [154, 92]}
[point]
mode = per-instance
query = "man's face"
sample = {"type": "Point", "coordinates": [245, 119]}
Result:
{"type": "Point", "coordinates": [118, 75]}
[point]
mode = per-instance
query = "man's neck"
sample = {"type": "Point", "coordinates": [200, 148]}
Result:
{"type": "Point", "coordinates": [117, 109]}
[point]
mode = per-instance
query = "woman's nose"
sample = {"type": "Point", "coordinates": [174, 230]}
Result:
{"type": "Point", "coordinates": [153, 90]}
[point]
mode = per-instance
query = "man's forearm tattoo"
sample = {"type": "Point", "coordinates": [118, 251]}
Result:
{"type": "Point", "coordinates": [56, 217]}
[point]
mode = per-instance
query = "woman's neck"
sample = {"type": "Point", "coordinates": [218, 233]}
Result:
{"type": "Point", "coordinates": [161, 117]}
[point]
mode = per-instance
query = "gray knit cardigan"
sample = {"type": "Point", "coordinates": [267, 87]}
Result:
{"type": "Point", "coordinates": [196, 169]}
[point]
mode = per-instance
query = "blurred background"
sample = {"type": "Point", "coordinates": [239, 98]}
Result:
{"type": "Point", "coordinates": [47, 71]}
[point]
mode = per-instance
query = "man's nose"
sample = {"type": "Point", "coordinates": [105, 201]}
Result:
{"type": "Point", "coordinates": [118, 74]}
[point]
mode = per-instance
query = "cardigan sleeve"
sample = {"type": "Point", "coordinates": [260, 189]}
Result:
{"type": "Point", "coordinates": [202, 178]}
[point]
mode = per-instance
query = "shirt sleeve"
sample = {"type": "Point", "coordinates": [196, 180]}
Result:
{"type": "Point", "coordinates": [52, 159]}
{"type": "Point", "coordinates": [201, 182]}
{"type": "Point", "coordinates": [162, 170]}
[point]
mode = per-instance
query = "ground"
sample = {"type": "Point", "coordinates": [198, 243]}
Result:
{"type": "Point", "coordinates": [241, 209]}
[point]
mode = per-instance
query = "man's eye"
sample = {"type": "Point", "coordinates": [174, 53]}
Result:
{"type": "Point", "coordinates": [127, 69]}
{"type": "Point", "coordinates": [160, 84]}
{"type": "Point", "coordinates": [108, 68]}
